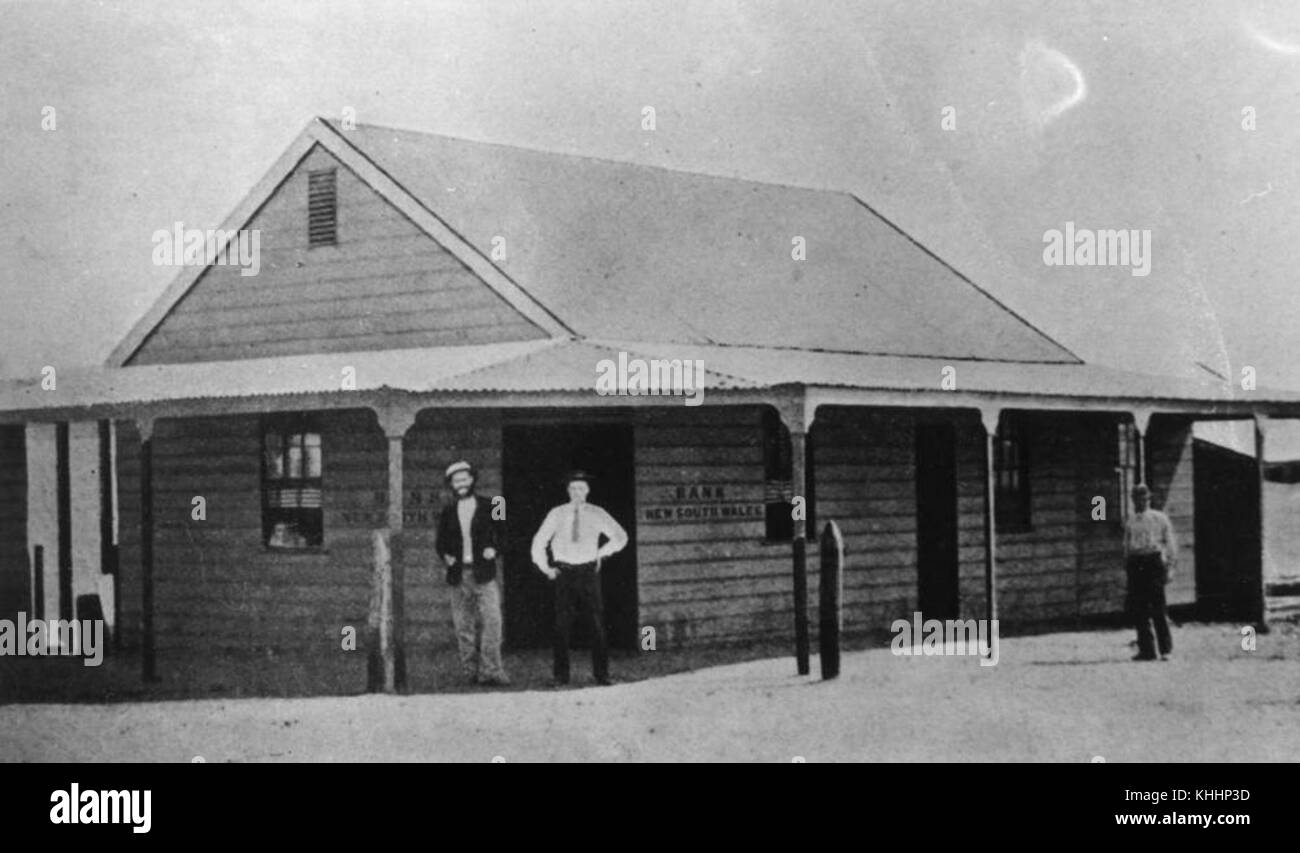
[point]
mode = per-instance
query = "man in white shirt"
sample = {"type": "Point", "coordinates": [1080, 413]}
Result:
{"type": "Point", "coordinates": [573, 532]}
{"type": "Point", "coordinates": [1150, 554]}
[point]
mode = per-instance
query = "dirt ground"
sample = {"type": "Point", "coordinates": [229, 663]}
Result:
{"type": "Point", "coordinates": [1054, 697]}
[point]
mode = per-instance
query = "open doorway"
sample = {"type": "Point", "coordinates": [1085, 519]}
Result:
{"type": "Point", "coordinates": [535, 461]}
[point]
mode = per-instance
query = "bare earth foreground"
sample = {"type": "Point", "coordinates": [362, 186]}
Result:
{"type": "Point", "coordinates": [1057, 697]}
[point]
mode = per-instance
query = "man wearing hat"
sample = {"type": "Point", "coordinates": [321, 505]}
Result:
{"type": "Point", "coordinates": [468, 538]}
{"type": "Point", "coordinates": [573, 531]}
{"type": "Point", "coordinates": [1150, 552]}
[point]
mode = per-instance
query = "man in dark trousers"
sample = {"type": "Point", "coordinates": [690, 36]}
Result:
{"type": "Point", "coordinates": [1150, 553]}
{"type": "Point", "coordinates": [468, 538]}
{"type": "Point", "coordinates": [573, 532]}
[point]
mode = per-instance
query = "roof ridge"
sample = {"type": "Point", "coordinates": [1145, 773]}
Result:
{"type": "Point", "coordinates": [963, 277]}
{"type": "Point", "coordinates": [333, 125]}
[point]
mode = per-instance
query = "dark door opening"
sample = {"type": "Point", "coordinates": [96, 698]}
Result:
{"type": "Point", "coordinates": [936, 520]}
{"type": "Point", "coordinates": [534, 461]}
{"type": "Point", "coordinates": [1226, 529]}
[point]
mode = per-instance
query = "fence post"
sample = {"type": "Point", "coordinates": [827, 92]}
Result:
{"type": "Point", "coordinates": [831, 589]}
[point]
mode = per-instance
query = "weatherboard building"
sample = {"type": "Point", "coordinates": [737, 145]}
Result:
{"type": "Point", "coordinates": [420, 299]}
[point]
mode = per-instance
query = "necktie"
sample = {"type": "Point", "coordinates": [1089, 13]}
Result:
{"type": "Point", "coordinates": [576, 507]}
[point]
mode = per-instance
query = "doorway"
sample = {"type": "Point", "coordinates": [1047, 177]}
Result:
{"type": "Point", "coordinates": [1226, 524]}
{"type": "Point", "coordinates": [936, 520]}
{"type": "Point", "coordinates": [535, 459]}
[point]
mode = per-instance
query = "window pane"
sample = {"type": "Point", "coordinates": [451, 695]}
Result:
{"type": "Point", "coordinates": [312, 445]}
{"type": "Point", "coordinates": [295, 457]}
{"type": "Point", "coordinates": [274, 456]}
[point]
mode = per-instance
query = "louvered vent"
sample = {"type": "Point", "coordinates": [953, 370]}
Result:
{"type": "Point", "coordinates": [322, 209]}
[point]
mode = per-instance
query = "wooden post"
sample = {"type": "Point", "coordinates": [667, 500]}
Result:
{"type": "Point", "coordinates": [1259, 603]}
{"type": "Point", "coordinates": [38, 581]}
{"type": "Point", "coordinates": [989, 418]}
{"type": "Point", "coordinates": [390, 570]}
{"type": "Point", "coordinates": [381, 671]}
{"type": "Point", "coordinates": [147, 652]}
{"type": "Point", "coordinates": [799, 483]}
{"type": "Point", "coordinates": [397, 554]}
{"type": "Point", "coordinates": [109, 554]}
{"type": "Point", "coordinates": [831, 594]}
{"type": "Point", "coordinates": [1142, 431]}
{"type": "Point", "coordinates": [63, 492]}
{"type": "Point", "coordinates": [395, 509]}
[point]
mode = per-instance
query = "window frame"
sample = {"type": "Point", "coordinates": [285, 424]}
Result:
{"type": "Point", "coordinates": [1012, 493]}
{"type": "Point", "coordinates": [287, 426]}
{"type": "Point", "coordinates": [1124, 447]}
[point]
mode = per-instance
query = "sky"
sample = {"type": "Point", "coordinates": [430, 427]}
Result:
{"type": "Point", "coordinates": [977, 127]}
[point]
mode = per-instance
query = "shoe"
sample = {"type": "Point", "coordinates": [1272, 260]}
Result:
{"type": "Point", "coordinates": [1144, 657]}
{"type": "Point", "coordinates": [494, 681]}
{"type": "Point", "coordinates": [1166, 655]}
{"type": "Point", "coordinates": [605, 681]}
{"type": "Point", "coordinates": [557, 683]}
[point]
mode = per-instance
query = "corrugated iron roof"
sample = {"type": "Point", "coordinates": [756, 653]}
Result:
{"type": "Point", "coordinates": [408, 369]}
{"type": "Point", "coordinates": [620, 250]}
{"type": "Point", "coordinates": [560, 365]}
{"type": "Point", "coordinates": [574, 367]}
{"type": "Point", "coordinates": [766, 367]}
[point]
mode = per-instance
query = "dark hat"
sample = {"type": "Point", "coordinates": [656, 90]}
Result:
{"type": "Point", "coordinates": [577, 474]}
{"type": "Point", "coordinates": [1141, 489]}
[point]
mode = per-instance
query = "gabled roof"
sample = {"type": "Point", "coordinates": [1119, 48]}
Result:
{"type": "Point", "coordinates": [318, 133]}
{"type": "Point", "coordinates": [620, 250]}
{"type": "Point", "coordinates": [602, 249]}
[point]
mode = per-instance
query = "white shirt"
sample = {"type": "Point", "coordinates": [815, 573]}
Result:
{"type": "Point", "coordinates": [465, 511]}
{"type": "Point", "coordinates": [1150, 532]}
{"type": "Point", "coordinates": [557, 531]}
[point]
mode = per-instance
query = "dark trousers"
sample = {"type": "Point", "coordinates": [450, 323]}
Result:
{"type": "Point", "coordinates": [578, 588]}
{"type": "Point", "coordinates": [1146, 603]}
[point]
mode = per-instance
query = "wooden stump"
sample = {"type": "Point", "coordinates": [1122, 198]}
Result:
{"type": "Point", "coordinates": [831, 589]}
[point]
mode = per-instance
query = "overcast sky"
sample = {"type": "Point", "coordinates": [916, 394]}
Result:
{"type": "Point", "coordinates": [1105, 114]}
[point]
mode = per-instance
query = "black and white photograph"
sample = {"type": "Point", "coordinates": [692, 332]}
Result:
{"type": "Point", "coordinates": [713, 381]}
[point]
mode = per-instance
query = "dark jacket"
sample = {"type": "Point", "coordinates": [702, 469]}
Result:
{"type": "Point", "coordinates": [484, 532]}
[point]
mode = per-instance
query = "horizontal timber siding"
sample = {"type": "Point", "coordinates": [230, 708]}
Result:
{"type": "Point", "coordinates": [384, 285]}
{"type": "Point", "coordinates": [706, 580]}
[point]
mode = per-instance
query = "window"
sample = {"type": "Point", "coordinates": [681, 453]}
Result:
{"type": "Point", "coordinates": [292, 517]}
{"type": "Point", "coordinates": [1125, 448]}
{"type": "Point", "coordinates": [1011, 472]}
{"type": "Point", "coordinates": [322, 208]}
{"type": "Point", "coordinates": [778, 477]}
